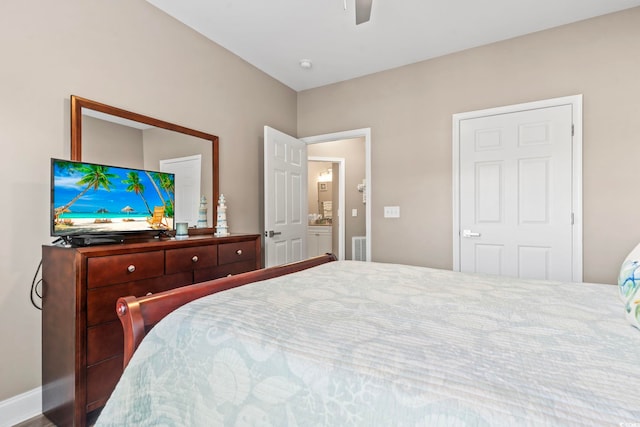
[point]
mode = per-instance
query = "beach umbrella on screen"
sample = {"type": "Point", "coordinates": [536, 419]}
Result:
{"type": "Point", "coordinates": [127, 209]}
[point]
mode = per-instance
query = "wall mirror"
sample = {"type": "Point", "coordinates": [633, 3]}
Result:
{"type": "Point", "coordinates": [109, 135]}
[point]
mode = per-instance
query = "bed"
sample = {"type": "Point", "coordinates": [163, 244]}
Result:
{"type": "Point", "coordinates": [372, 344]}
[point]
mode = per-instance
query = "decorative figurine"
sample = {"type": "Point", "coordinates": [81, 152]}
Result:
{"type": "Point", "coordinates": [221, 224]}
{"type": "Point", "coordinates": [202, 213]}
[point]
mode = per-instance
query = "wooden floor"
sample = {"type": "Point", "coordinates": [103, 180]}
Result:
{"type": "Point", "coordinates": [42, 421]}
{"type": "Point", "coordinates": [39, 421]}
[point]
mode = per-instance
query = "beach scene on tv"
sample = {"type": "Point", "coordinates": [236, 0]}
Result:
{"type": "Point", "coordinates": [93, 198]}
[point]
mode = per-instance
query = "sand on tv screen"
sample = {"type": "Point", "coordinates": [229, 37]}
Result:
{"type": "Point", "coordinates": [89, 198]}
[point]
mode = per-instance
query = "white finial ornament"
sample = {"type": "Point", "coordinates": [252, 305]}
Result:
{"type": "Point", "coordinates": [222, 229]}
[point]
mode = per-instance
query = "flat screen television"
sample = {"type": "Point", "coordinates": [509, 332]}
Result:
{"type": "Point", "coordinates": [89, 199]}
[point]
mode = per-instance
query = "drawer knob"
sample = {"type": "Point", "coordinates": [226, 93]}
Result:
{"type": "Point", "coordinates": [131, 268]}
{"type": "Point", "coordinates": [149, 293]}
{"type": "Point", "coordinates": [239, 251]}
{"type": "Point", "coordinates": [195, 258]}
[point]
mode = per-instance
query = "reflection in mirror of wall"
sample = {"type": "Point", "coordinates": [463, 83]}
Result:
{"type": "Point", "coordinates": [109, 135]}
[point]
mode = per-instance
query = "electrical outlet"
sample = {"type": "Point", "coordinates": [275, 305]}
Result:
{"type": "Point", "coordinates": [392, 211]}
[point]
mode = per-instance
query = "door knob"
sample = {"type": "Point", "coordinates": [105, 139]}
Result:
{"type": "Point", "coordinates": [273, 233]}
{"type": "Point", "coordinates": [469, 233]}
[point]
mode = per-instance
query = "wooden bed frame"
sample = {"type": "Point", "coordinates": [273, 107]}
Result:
{"type": "Point", "coordinates": [139, 315]}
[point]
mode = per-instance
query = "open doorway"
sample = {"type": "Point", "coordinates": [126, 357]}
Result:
{"type": "Point", "coordinates": [337, 171]}
{"type": "Point", "coordinates": [325, 193]}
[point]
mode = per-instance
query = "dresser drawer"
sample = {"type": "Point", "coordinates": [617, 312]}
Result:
{"type": "Point", "coordinates": [101, 302]}
{"type": "Point", "coordinates": [109, 270]}
{"type": "Point", "coordinates": [104, 341]}
{"type": "Point", "coordinates": [235, 252]}
{"type": "Point", "coordinates": [101, 380]}
{"type": "Point", "coordinates": [189, 259]}
{"type": "Point", "coordinates": [224, 270]}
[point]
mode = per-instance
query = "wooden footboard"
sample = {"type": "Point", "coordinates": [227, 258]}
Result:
{"type": "Point", "coordinates": [139, 315]}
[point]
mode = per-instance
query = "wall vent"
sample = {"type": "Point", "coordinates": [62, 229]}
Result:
{"type": "Point", "coordinates": [359, 248]}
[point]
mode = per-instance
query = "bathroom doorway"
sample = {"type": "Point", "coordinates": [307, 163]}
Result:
{"type": "Point", "coordinates": [349, 210]}
{"type": "Point", "coordinates": [325, 206]}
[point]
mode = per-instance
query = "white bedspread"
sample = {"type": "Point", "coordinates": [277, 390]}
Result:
{"type": "Point", "coordinates": [372, 344]}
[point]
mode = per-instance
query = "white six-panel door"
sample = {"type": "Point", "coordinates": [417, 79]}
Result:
{"type": "Point", "coordinates": [285, 198]}
{"type": "Point", "coordinates": [516, 194]}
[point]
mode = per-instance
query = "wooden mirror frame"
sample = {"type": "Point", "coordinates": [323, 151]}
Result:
{"type": "Point", "coordinates": [78, 103]}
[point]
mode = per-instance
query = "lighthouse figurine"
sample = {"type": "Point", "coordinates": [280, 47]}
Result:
{"type": "Point", "coordinates": [202, 213]}
{"type": "Point", "coordinates": [221, 218]}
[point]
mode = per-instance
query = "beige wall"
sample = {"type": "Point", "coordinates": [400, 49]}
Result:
{"type": "Point", "coordinates": [409, 111]}
{"type": "Point", "coordinates": [128, 54]}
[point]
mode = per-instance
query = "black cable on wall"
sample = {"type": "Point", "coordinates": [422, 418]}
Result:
{"type": "Point", "coordinates": [35, 293]}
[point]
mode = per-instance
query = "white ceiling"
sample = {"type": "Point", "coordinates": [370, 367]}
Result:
{"type": "Point", "coordinates": [274, 35]}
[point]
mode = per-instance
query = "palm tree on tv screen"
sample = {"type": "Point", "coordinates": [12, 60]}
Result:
{"type": "Point", "coordinates": [135, 185]}
{"type": "Point", "coordinates": [95, 176]}
{"type": "Point", "coordinates": [167, 184]}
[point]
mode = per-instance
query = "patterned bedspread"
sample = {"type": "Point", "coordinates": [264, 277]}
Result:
{"type": "Point", "coordinates": [372, 344]}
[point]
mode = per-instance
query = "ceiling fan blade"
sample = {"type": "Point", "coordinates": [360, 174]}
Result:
{"type": "Point", "coordinates": [363, 11]}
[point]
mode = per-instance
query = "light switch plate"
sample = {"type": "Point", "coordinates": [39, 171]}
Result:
{"type": "Point", "coordinates": [354, 212]}
{"type": "Point", "coordinates": [392, 211]}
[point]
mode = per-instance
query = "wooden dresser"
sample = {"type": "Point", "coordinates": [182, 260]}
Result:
{"type": "Point", "coordinates": [82, 341]}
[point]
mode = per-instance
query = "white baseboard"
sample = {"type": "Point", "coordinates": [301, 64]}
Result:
{"type": "Point", "coordinates": [20, 408]}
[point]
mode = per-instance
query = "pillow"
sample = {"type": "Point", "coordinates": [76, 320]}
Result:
{"type": "Point", "coordinates": [633, 310]}
{"type": "Point", "coordinates": [629, 286]}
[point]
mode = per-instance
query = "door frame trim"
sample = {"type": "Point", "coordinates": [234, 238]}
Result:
{"type": "Point", "coordinates": [352, 134]}
{"type": "Point", "coordinates": [576, 191]}
{"type": "Point", "coordinates": [341, 198]}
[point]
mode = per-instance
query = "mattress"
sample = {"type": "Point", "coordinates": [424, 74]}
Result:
{"type": "Point", "coordinates": [374, 344]}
